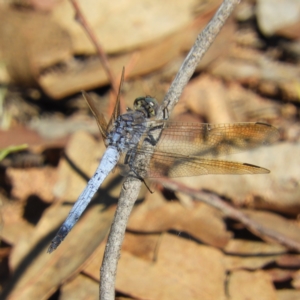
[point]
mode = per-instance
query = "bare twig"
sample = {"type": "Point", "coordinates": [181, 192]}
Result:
{"type": "Point", "coordinates": [131, 186]}
{"type": "Point", "coordinates": [231, 212]}
{"type": "Point", "coordinates": [202, 44]}
{"type": "Point", "coordinates": [102, 56]}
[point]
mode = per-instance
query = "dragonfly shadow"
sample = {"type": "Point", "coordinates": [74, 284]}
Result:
{"type": "Point", "coordinates": [74, 167]}
{"type": "Point", "coordinates": [102, 196]}
{"type": "Point", "coordinates": [27, 261]}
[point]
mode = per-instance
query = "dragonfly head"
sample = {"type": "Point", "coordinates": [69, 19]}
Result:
{"type": "Point", "coordinates": [147, 104]}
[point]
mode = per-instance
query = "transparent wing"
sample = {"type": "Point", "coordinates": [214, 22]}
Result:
{"type": "Point", "coordinates": [101, 122]}
{"type": "Point", "coordinates": [184, 166]}
{"type": "Point", "coordinates": [116, 111]}
{"type": "Point", "coordinates": [211, 140]}
{"type": "Point", "coordinates": [183, 148]}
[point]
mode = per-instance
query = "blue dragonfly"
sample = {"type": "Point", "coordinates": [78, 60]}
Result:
{"type": "Point", "coordinates": [181, 150]}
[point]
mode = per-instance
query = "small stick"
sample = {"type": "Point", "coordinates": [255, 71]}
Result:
{"type": "Point", "coordinates": [231, 212]}
{"type": "Point", "coordinates": [131, 187]}
{"type": "Point", "coordinates": [102, 56]}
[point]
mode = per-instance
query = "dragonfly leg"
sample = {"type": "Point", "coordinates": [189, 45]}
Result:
{"type": "Point", "coordinates": [150, 138]}
{"type": "Point", "coordinates": [128, 161]}
{"type": "Point", "coordinates": [128, 157]}
{"type": "Point", "coordinates": [142, 179]}
{"type": "Point", "coordinates": [166, 111]}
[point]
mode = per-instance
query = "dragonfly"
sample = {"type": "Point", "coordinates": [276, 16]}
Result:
{"type": "Point", "coordinates": [180, 150]}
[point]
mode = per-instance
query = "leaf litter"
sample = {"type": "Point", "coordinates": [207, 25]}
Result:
{"type": "Point", "coordinates": [170, 251]}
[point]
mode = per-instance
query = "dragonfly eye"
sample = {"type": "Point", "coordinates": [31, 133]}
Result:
{"type": "Point", "coordinates": [148, 104]}
{"type": "Point", "coordinates": [138, 102]}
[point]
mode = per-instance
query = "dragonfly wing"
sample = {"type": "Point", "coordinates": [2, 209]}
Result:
{"type": "Point", "coordinates": [116, 111]}
{"type": "Point", "coordinates": [101, 122]}
{"type": "Point", "coordinates": [171, 165]}
{"type": "Point", "coordinates": [211, 140]}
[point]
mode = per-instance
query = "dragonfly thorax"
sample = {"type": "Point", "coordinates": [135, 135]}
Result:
{"type": "Point", "coordinates": [127, 130]}
{"type": "Point", "coordinates": [147, 105]}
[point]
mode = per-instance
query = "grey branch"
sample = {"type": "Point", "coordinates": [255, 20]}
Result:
{"type": "Point", "coordinates": [131, 186]}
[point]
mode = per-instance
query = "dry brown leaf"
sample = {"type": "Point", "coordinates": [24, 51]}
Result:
{"type": "Point", "coordinates": [11, 214]}
{"type": "Point", "coordinates": [276, 223]}
{"type": "Point", "coordinates": [153, 30]}
{"type": "Point", "coordinates": [39, 43]}
{"type": "Point", "coordinates": [290, 31]}
{"type": "Point", "coordinates": [272, 78]}
{"type": "Point", "coordinates": [280, 275]}
{"type": "Point", "coordinates": [245, 105]}
{"type": "Point", "coordinates": [289, 260]}
{"type": "Point", "coordinates": [34, 181]}
{"type": "Point", "coordinates": [202, 221]}
{"type": "Point", "coordinates": [219, 103]}
{"type": "Point", "coordinates": [38, 274]}
{"type": "Point", "coordinates": [246, 247]}
{"type": "Point", "coordinates": [79, 288]}
{"type": "Point", "coordinates": [92, 266]}
{"type": "Point", "coordinates": [142, 245]}
{"type": "Point", "coordinates": [183, 270]}
{"type": "Point", "coordinates": [23, 135]}
{"type": "Point", "coordinates": [296, 280]}
{"type": "Point", "coordinates": [250, 262]}
{"type": "Point", "coordinates": [90, 74]}
{"type": "Point", "coordinates": [251, 286]}
{"type": "Point", "coordinates": [29, 258]}
{"type": "Point", "coordinates": [206, 96]}
{"type": "Point", "coordinates": [124, 19]}
{"type": "Point", "coordinates": [286, 294]}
